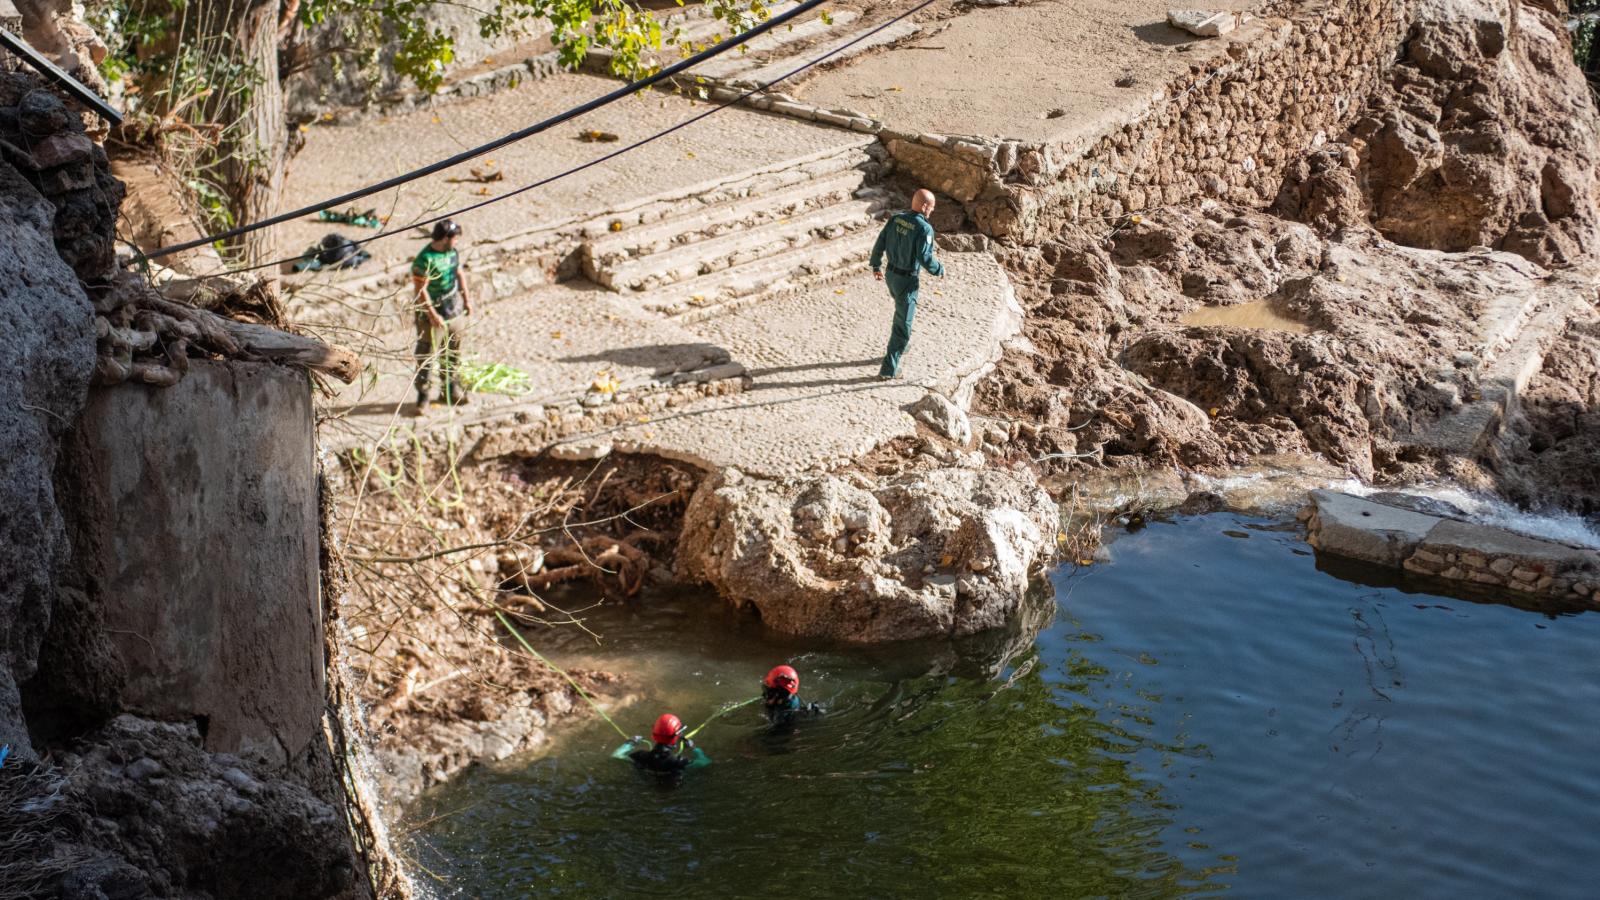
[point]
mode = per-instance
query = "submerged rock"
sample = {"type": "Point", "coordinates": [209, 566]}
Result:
{"type": "Point", "coordinates": [943, 552]}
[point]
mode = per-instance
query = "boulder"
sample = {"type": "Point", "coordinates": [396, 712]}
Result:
{"type": "Point", "coordinates": [850, 558]}
{"type": "Point", "coordinates": [937, 412]}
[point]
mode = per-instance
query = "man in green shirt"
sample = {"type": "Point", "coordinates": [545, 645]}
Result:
{"type": "Point", "coordinates": [440, 295]}
{"type": "Point", "coordinates": [908, 240]}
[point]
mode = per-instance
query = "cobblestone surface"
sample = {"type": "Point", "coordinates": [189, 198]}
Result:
{"type": "Point", "coordinates": [813, 357]}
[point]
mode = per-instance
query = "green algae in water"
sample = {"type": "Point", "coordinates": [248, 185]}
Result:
{"type": "Point", "coordinates": [1201, 716]}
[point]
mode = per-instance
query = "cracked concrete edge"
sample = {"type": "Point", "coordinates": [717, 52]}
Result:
{"type": "Point", "coordinates": [1472, 430]}
{"type": "Point", "coordinates": [1007, 324]}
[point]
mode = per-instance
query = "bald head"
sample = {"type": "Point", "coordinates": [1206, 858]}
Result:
{"type": "Point", "coordinates": [922, 201]}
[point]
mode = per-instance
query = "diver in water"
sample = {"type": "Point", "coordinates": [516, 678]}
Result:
{"type": "Point", "coordinates": [780, 697]}
{"type": "Point", "coordinates": [669, 753]}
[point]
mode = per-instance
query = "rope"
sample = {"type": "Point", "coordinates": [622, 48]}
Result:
{"type": "Point", "coordinates": [474, 153]}
{"type": "Point", "coordinates": [719, 714]}
{"type": "Point", "coordinates": [575, 169]}
{"type": "Point", "coordinates": [728, 708]}
{"type": "Point", "coordinates": [562, 672]}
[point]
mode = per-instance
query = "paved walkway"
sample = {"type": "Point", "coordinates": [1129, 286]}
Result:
{"type": "Point", "coordinates": [813, 358]}
{"type": "Point", "coordinates": [1035, 72]}
{"type": "Point", "coordinates": [811, 355]}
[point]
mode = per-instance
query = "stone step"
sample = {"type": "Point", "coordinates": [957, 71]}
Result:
{"type": "Point", "coordinates": [711, 294]}
{"type": "Point", "coordinates": [690, 261]}
{"type": "Point", "coordinates": [733, 65]}
{"type": "Point", "coordinates": [720, 218]}
{"type": "Point", "coordinates": [841, 47]}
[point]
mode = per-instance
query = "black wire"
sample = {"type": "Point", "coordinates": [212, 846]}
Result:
{"type": "Point", "coordinates": [464, 156]}
{"type": "Point", "coordinates": [598, 160]}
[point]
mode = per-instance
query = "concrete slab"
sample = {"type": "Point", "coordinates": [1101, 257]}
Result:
{"type": "Point", "coordinates": [1451, 536]}
{"type": "Point", "coordinates": [1036, 72]}
{"type": "Point", "coordinates": [199, 536]}
{"type": "Point", "coordinates": [1359, 529]}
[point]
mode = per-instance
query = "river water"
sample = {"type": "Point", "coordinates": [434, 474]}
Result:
{"type": "Point", "coordinates": [1206, 713]}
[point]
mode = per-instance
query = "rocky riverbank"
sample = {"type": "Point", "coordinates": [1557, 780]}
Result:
{"type": "Point", "coordinates": [1328, 314]}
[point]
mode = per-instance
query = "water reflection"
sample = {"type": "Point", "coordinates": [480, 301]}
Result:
{"type": "Point", "coordinates": [976, 767]}
{"type": "Point", "coordinates": [1202, 714]}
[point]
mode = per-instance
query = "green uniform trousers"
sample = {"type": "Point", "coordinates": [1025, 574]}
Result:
{"type": "Point", "coordinates": [439, 347]}
{"type": "Point", "coordinates": [904, 292]}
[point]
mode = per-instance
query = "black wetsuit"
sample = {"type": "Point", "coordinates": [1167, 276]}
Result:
{"type": "Point", "coordinates": [783, 707]}
{"type": "Point", "coordinates": [665, 759]}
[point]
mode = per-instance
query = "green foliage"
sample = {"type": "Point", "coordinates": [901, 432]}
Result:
{"type": "Point", "coordinates": [424, 53]}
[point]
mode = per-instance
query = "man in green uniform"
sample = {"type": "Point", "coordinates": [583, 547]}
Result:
{"type": "Point", "coordinates": [908, 239]}
{"type": "Point", "coordinates": [441, 299]}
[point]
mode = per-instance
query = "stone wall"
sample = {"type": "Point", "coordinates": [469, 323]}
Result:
{"type": "Point", "coordinates": [1272, 90]}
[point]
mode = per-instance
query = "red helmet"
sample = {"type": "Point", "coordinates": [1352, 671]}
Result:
{"type": "Point", "coordinates": [784, 677]}
{"type": "Point", "coordinates": [667, 730]}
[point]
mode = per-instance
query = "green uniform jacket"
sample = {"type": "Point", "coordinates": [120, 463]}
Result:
{"type": "Point", "coordinates": [908, 239]}
{"type": "Point", "coordinates": [440, 267]}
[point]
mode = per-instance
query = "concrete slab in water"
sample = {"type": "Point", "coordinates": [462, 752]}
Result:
{"type": "Point", "coordinates": [1360, 529]}
{"type": "Point", "coordinates": [1493, 543]}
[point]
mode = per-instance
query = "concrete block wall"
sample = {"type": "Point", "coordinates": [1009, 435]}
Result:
{"type": "Point", "coordinates": [197, 531]}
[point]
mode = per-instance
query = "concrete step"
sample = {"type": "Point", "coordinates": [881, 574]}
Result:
{"type": "Point", "coordinates": [717, 219]}
{"type": "Point", "coordinates": [710, 294]}
{"type": "Point", "coordinates": [780, 175]}
{"type": "Point", "coordinates": [778, 67]}
{"type": "Point", "coordinates": [733, 65]}
{"type": "Point", "coordinates": [1509, 363]}
{"type": "Point", "coordinates": [691, 261]}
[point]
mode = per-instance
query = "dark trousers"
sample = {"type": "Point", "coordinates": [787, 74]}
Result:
{"type": "Point", "coordinates": [441, 347]}
{"type": "Point", "coordinates": [904, 292]}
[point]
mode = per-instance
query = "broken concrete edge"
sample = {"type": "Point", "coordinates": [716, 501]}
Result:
{"type": "Point", "coordinates": [1357, 528]}
{"type": "Point", "coordinates": [1008, 324]}
{"type": "Point", "coordinates": [1207, 22]}
{"type": "Point", "coordinates": [532, 427]}
{"type": "Point", "coordinates": [1471, 430]}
